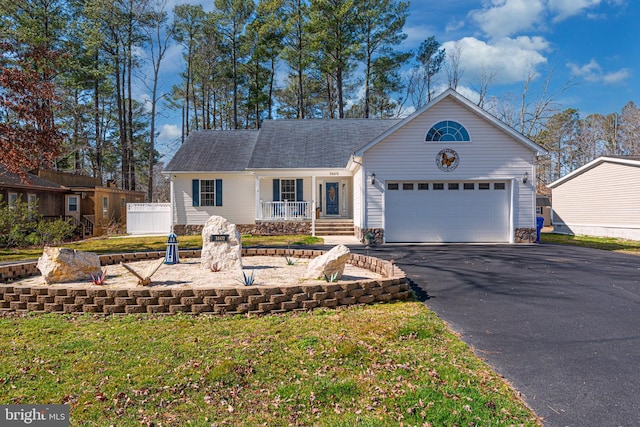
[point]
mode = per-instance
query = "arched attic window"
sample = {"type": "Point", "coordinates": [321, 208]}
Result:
{"type": "Point", "coordinates": [447, 131]}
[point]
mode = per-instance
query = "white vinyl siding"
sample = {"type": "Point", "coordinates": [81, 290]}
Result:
{"type": "Point", "coordinates": [492, 155]}
{"type": "Point", "coordinates": [238, 199]}
{"type": "Point", "coordinates": [602, 201]}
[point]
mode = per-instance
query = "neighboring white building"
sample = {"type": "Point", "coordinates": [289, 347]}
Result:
{"type": "Point", "coordinates": [450, 172]}
{"type": "Point", "coordinates": [602, 198]}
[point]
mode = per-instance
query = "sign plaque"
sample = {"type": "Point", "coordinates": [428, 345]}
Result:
{"type": "Point", "coordinates": [219, 238]}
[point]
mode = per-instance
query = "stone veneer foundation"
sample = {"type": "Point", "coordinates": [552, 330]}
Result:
{"type": "Point", "coordinates": [525, 235]}
{"type": "Point", "coordinates": [260, 228]}
{"type": "Point", "coordinates": [254, 300]}
{"type": "Point", "coordinates": [521, 235]}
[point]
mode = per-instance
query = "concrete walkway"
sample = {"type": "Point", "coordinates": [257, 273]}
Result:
{"type": "Point", "coordinates": [345, 240]}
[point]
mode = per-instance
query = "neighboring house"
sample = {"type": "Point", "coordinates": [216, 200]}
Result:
{"type": "Point", "coordinates": [450, 172]}
{"type": "Point", "coordinates": [98, 208]}
{"type": "Point", "coordinates": [81, 199]}
{"type": "Point", "coordinates": [543, 208]}
{"type": "Point", "coordinates": [49, 197]}
{"type": "Point", "coordinates": [602, 198]}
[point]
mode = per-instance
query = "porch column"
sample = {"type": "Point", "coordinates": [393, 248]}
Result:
{"type": "Point", "coordinates": [258, 207]}
{"type": "Point", "coordinates": [313, 205]}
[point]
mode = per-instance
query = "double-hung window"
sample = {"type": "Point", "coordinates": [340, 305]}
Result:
{"type": "Point", "coordinates": [72, 204]}
{"type": "Point", "coordinates": [207, 192]}
{"type": "Point", "coordinates": [290, 190]}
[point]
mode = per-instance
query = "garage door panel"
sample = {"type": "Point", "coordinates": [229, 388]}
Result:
{"type": "Point", "coordinates": [475, 216]}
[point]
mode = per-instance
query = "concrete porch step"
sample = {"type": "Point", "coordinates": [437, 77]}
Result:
{"type": "Point", "coordinates": [334, 227]}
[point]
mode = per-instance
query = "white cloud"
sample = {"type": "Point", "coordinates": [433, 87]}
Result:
{"type": "Point", "coordinates": [168, 141]}
{"type": "Point", "coordinates": [173, 60]}
{"type": "Point", "coordinates": [502, 18]}
{"type": "Point", "coordinates": [593, 72]}
{"type": "Point", "coordinates": [416, 35]}
{"type": "Point", "coordinates": [511, 59]}
{"type": "Point", "coordinates": [616, 76]}
{"type": "Point", "coordinates": [169, 132]}
{"type": "Point", "coordinates": [563, 9]}
{"type": "Point", "coordinates": [454, 25]}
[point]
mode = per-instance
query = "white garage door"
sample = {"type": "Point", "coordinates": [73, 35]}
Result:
{"type": "Point", "coordinates": [474, 212]}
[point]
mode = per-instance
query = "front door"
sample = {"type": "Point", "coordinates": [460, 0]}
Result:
{"type": "Point", "coordinates": [332, 201]}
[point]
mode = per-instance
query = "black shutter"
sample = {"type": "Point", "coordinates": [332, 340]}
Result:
{"type": "Point", "coordinates": [195, 187]}
{"type": "Point", "coordinates": [299, 194]}
{"type": "Point", "coordinates": [276, 190]}
{"type": "Point", "coordinates": [218, 192]}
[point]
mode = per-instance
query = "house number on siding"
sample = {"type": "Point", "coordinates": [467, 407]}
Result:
{"type": "Point", "coordinates": [334, 173]}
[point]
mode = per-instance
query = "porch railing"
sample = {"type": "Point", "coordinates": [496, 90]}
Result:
{"type": "Point", "coordinates": [285, 210]}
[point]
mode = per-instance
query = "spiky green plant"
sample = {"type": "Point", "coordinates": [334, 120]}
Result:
{"type": "Point", "coordinates": [332, 279]}
{"type": "Point", "coordinates": [289, 261]}
{"type": "Point", "coordinates": [248, 279]}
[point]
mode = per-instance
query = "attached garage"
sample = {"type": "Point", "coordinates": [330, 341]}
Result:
{"type": "Point", "coordinates": [470, 212]}
{"type": "Point", "coordinates": [450, 173]}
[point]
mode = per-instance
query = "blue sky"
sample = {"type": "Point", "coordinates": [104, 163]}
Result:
{"type": "Point", "coordinates": [591, 43]}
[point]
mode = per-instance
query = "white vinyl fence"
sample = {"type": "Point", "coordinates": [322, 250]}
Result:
{"type": "Point", "coordinates": [148, 218]}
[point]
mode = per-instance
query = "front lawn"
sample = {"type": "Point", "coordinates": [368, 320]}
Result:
{"type": "Point", "coordinates": [105, 245]}
{"type": "Point", "coordinates": [603, 243]}
{"type": "Point", "coordinates": [380, 365]}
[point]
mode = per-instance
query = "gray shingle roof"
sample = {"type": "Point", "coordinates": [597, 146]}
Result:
{"type": "Point", "coordinates": [10, 179]}
{"type": "Point", "coordinates": [279, 144]}
{"type": "Point", "coordinates": [313, 143]}
{"type": "Point", "coordinates": [214, 150]}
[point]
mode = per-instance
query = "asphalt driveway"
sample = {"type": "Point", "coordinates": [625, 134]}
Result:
{"type": "Point", "coordinates": [562, 324]}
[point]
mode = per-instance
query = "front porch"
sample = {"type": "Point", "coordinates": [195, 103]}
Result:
{"type": "Point", "coordinates": [289, 196]}
{"type": "Point", "coordinates": [284, 211]}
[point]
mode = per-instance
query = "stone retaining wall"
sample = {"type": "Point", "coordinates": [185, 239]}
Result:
{"type": "Point", "coordinates": [255, 300]}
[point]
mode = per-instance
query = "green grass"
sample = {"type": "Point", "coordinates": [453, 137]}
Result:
{"type": "Point", "coordinates": [137, 244]}
{"type": "Point", "coordinates": [603, 243]}
{"type": "Point", "coordinates": [368, 366]}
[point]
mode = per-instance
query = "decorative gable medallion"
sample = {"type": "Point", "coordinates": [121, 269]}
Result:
{"type": "Point", "coordinates": [447, 160]}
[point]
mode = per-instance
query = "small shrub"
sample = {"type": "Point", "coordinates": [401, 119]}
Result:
{"type": "Point", "coordinates": [17, 223]}
{"type": "Point", "coordinates": [53, 232]}
{"type": "Point", "coordinates": [289, 261]}
{"type": "Point", "coordinates": [99, 280]}
{"type": "Point", "coordinates": [332, 279]}
{"type": "Point", "coordinates": [248, 279]}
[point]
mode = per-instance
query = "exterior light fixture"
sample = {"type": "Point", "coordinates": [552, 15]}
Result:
{"type": "Point", "coordinates": [372, 178]}
{"type": "Point", "coordinates": [525, 177]}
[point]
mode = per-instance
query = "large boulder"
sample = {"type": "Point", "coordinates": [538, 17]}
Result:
{"type": "Point", "coordinates": [221, 245]}
{"type": "Point", "coordinates": [328, 264]}
{"type": "Point", "coordinates": [59, 265]}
